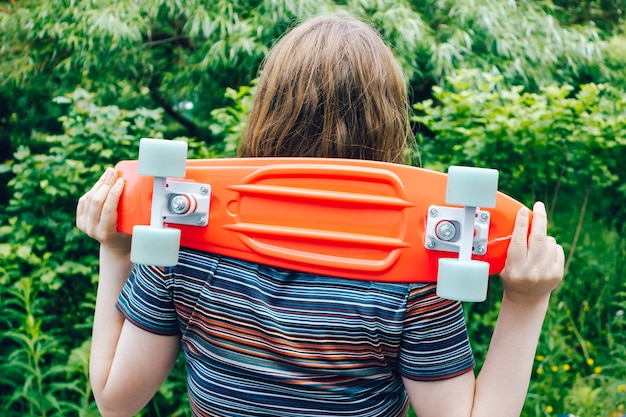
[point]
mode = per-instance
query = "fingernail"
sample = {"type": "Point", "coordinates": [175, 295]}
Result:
{"type": "Point", "coordinates": [523, 212]}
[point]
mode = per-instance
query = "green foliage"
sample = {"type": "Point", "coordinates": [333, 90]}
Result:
{"type": "Point", "coordinates": [39, 383]}
{"type": "Point", "coordinates": [40, 240]}
{"type": "Point", "coordinates": [149, 53]}
{"type": "Point", "coordinates": [545, 144]}
{"type": "Point", "coordinates": [517, 40]}
{"type": "Point", "coordinates": [583, 344]}
{"type": "Point", "coordinates": [540, 96]}
{"type": "Point", "coordinates": [229, 122]}
{"type": "Point", "coordinates": [565, 146]}
{"type": "Point", "coordinates": [607, 14]}
{"type": "Point", "coordinates": [48, 269]}
{"type": "Point", "coordinates": [162, 53]}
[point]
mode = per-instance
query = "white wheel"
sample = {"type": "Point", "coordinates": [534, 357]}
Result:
{"type": "Point", "coordinates": [155, 246]}
{"type": "Point", "coordinates": [462, 280]}
{"type": "Point", "coordinates": [470, 186]}
{"type": "Point", "coordinates": [162, 158]}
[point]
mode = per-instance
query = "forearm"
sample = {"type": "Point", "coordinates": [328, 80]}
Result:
{"type": "Point", "coordinates": [127, 364]}
{"type": "Point", "coordinates": [108, 322]}
{"type": "Point", "coordinates": [534, 267]}
{"type": "Point", "coordinates": [502, 384]}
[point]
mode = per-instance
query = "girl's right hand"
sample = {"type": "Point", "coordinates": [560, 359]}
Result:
{"type": "Point", "coordinates": [535, 262]}
{"type": "Point", "coordinates": [96, 214]}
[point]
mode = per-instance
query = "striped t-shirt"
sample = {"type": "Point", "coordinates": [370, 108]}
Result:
{"type": "Point", "coordinates": [264, 341]}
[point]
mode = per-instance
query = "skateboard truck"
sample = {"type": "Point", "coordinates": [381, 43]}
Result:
{"type": "Point", "coordinates": [186, 203]}
{"type": "Point", "coordinates": [173, 202]}
{"type": "Point", "coordinates": [443, 229]}
{"type": "Point", "coordinates": [463, 230]}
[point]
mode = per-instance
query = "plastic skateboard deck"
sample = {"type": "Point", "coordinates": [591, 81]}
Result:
{"type": "Point", "coordinates": [347, 218]}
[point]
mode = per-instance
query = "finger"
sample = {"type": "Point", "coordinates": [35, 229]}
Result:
{"type": "Point", "coordinates": [98, 194]}
{"type": "Point", "coordinates": [554, 259]}
{"type": "Point", "coordinates": [109, 208]}
{"type": "Point", "coordinates": [560, 255]}
{"type": "Point", "coordinates": [519, 244]}
{"type": "Point", "coordinates": [84, 201]}
{"type": "Point", "coordinates": [99, 183]}
{"type": "Point", "coordinates": [558, 258]}
{"type": "Point", "coordinates": [537, 241]}
{"type": "Point", "coordinates": [80, 210]}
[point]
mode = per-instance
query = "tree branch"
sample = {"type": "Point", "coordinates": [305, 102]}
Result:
{"type": "Point", "coordinates": [604, 17]}
{"type": "Point", "coordinates": [191, 127]}
{"type": "Point", "coordinates": [579, 226]}
{"type": "Point", "coordinates": [557, 188]}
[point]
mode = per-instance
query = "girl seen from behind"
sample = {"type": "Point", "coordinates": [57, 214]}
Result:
{"type": "Point", "coordinates": [264, 341]}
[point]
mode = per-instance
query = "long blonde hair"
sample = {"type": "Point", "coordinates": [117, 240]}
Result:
{"type": "Point", "coordinates": [330, 87]}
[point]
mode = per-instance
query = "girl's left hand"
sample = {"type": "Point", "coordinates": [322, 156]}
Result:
{"type": "Point", "coordinates": [96, 214]}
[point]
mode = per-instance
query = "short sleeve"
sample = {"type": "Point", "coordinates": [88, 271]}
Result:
{"type": "Point", "coordinates": [435, 344]}
{"type": "Point", "coordinates": [146, 301]}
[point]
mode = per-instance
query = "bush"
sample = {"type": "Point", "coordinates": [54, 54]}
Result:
{"type": "Point", "coordinates": [48, 269]}
{"type": "Point", "coordinates": [564, 146]}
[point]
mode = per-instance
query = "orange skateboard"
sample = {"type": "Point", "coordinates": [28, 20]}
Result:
{"type": "Point", "coordinates": [347, 218]}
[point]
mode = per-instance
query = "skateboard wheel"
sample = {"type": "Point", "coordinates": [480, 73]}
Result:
{"type": "Point", "coordinates": [162, 158]}
{"type": "Point", "coordinates": [471, 186]}
{"type": "Point", "coordinates": [462, 280]}
{"type": "Point", "coordinates": [155, 246]}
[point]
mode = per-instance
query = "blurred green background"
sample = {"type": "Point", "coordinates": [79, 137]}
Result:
{"type": "Point", "coordinates": [535, 89]}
